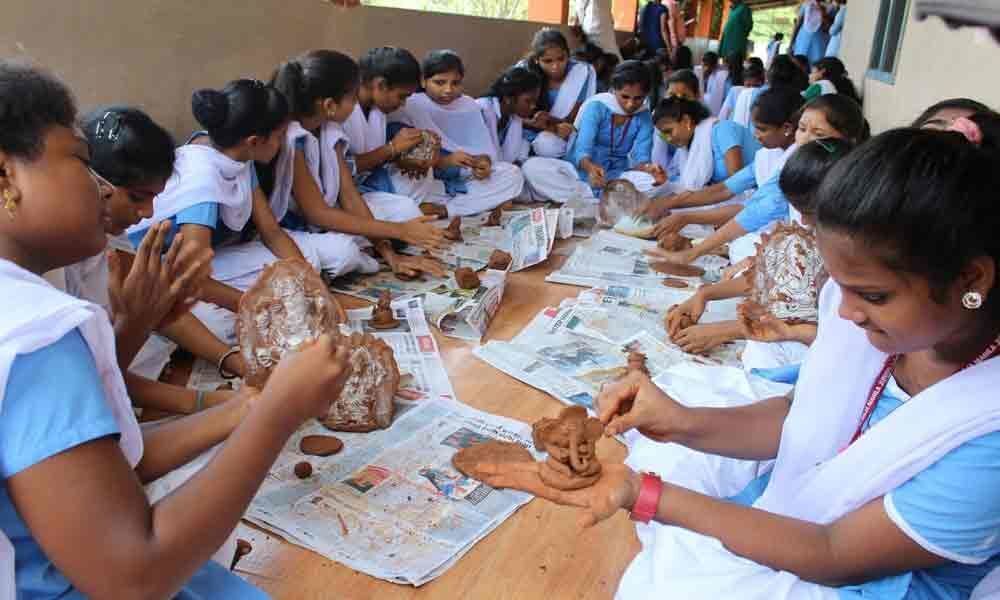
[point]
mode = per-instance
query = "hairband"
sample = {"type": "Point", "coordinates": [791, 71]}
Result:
{"type": "Point", "coordinates": [968, 128]}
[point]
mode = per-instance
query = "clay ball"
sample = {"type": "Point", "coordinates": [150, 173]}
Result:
{"type": "Point", "coordinates": [303, 470]}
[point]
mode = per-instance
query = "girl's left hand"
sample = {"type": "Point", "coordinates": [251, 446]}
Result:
{"type": "Point", "coordinates": [617, 488]}
{"type": "Point", "coordinates": [701, 338]}
{"type": "Point", "coordinates": [659, 175]}
{"type": "Point", "coordinates": [565, 130]}
{"type": "Point", "coordinates": [414, 266]}
{"type": "Point", "coordinates": [684, 257]}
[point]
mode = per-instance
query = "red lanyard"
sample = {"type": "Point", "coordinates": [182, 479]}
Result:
{"type": "Point", "coordinates": [883, 380]}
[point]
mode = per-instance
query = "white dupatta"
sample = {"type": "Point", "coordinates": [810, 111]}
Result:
{"type": "Point", "coordinates": [203, 174]}
{"type": "Point", "coordinates": [697, 162]}
{"type": "Point", "coordinates": [817, 477]}
{"type": "Point", "coordinates": [768, 162]}
{"type": "Point", "coordinates": [715, 90]}
{"type": "Point", "coordinates": [331, 137]}
{"type": "Point", "coordinates": [35, 316]}
{"type": "Point", "coordinates": [580, 77]}
{"type": "Point", "coordinates": [512, 147]}
{"type": "Point", "coordinates": [365, 134]}
{"type": "Point", "coordinates": [284, 169]}
{"type": "Point", "coordinates": [460, 124]}
{"type": "Point", "coordinates": [609, 100]}
{"type": "Point", "coordinates": [741, 113]}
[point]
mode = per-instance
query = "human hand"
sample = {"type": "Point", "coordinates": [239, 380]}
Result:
{"type": "Point", "coordinates": [685, 314]}
{"type": "Point", "coordinates": [733, 271]}
{"type": "Point", "coordinates": [407, 139]}
{"type": "Point", "coordinates": [759, 325]}
{"type": "Point", "coordinates": [413, 266]}
{"type": "Point", "coordinates": [420, 232]}
{"type": "Point", "coordinates": [671, 223]}
{"type": "Point", "coordinates": [699, 339]}
{"type": "Point", "coordinates": [596, 175]}
{"type": "Point", "coordinates": [659, 175]}
{"type": "Point", "coordinates": [634, 402]}
{"type": "Point", "coordinates": [305, 383]}
{"type": "Point", "coordinates": [684, 257]}
{"type": "Point", "coordinates": [617, 488]}
{"type": "Point", "coordinates": [461, 159]}
{"type": "Point", "coordinates": [565, 130]}
{"type": "Point", "coordinates": [657, 208]}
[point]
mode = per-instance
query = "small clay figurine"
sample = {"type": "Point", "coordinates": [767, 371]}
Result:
{"type": "Point", "coordinates": [787, 275]}
{"type": "Point", "coordinates": [454, 230]}
{"type": "Point", "coordinates": [637, 362]}
{"type": "Point", "coordinates": [466, 278]}
{"type": "Point", "coordinates": [675, 283]}
{"type": "Point", "coordinates": [303, 470]}
{"type": "Point", "coordinates": [494, 219]}
{"type": "Point", "coordinates": [243, 548]}
{"type": "Point", "coordinates": [678, 269]}
{"type": "Point", "coordinates": [493, 451]}
{"type": "Point", "coordinates": [366, 402]}
{"type": "Point", "coordinates": [382, 316]}
{"type": "Point", "coordinates": [320, 445]}
{"type": "Point", "coordinates": [435, 210]}
{"type": "Point", "coordinates": [570, 440]}
{"type": "Point", "coordinates": [499, 260]}
{"type": "Point", "coordinates": [674, 242]}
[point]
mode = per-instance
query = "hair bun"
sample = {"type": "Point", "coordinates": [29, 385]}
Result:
{"type": "Point", "coordinates": [210, 108]}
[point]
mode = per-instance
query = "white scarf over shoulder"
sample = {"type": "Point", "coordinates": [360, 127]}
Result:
{"type": "Point", "coordinates": [741, 113]}
{"type": "Point", "coordinates": [332, 140]}
{"type": "Point", "coordinates": [511, 147]}
{"type": "Point", "coordinates": [284, 169]}
{"type": "Point", "coordinates": [609, 100]}
{"type": "Point", "coordinates": [365, 134]}
{"type": "Point", "coordinates": [817, 477]}
{"type": "Point", "coordinates": [203, 174]}
{"type": "Point", "coordinates": [461, 124]}
{"type": "Point", "coordinates": [697, 161]}
{"type": "Point", "coordinates": [580, 77]}
{"type": "Point", "coordinates": [35, 316]}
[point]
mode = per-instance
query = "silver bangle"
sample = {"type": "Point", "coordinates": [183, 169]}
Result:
{"type": "Point", "coordinates": [222, 371]}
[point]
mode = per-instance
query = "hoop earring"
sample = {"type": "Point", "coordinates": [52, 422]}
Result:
{"type": "Point", "coordinates": [9, 204]}
{"type": "Point", "coordinates": [972, 300]}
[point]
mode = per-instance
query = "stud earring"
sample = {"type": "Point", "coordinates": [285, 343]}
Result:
{"type": "Point", "coordinates": [9, 204]}
{"type": "Point", "coordinates": [972, 300]}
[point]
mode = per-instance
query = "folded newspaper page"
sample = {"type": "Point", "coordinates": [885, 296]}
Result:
{"type": "Point", "coordinates": [466, 314]}
{"type": "Point", "coordinates": [390, 504]}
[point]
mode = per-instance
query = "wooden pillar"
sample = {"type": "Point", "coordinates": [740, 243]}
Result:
{"type": "Point", "coordinates": [624, 12]}
{"type": "Point", "coordinates": [549, 11]}
{"type": "Point", "coordinates": [703, 23]}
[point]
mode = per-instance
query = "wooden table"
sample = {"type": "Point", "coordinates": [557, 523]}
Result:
{"type": "Point", "coordinates": [539, 552]}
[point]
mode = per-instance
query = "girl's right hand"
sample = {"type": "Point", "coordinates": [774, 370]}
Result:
{"type": "Point", "coordinates": [420, 232]}
{"type": "Point", "coordinates": [460, 158]}
{"type": "Point", "coordinates": [634, 402]}
{"type": "Point", "coordinates": [305, 383]}
{"type": "Point", "coordinates": [685, 314]}
{"type": "Point", "coordinates": [596, 176]}
{"type": "Point", "coordinates": [670, 224]}
{"type": "Point", "coordinates": [407, 139]}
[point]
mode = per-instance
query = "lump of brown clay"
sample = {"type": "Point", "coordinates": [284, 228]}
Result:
{"type": "Point", "coordinates": [493, 451]}
{"type": "Point", "coordinates": [382, 316]}
{"type": "Point", "coordinates": [454, 230]}
{"type": "Point", "coordinates": [499, 260]}
{"type": "Point", "coordinates": [674, 242]}
{"type": "Point", "coordinates": [678, 269]}
{"type": "Point", "coordinates": [637, 362]}
{"type": "Point", "coordinates": [303, 470]}
{"type": "Point", "coordinates": [288, 305]}
{"type": "Point", "coordinates": [494, 219]}
{"type": "Point", "coordinates": [466, 278]}
{"type": "Point", "coordinates": [320, 445]}
{"type": "Point", "coordinates": [243, 548]}
{"type": "Point", "coordinates": [435, 210]}
{"type": "Point", "coordinates": [675, 283]}
{"type": "Point", "coordinates": [570, 440]}
{"type": "Point", "coordinates": [365, 404]}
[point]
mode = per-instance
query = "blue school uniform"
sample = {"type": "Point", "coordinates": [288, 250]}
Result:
{"type": "Point", "coordinates": [631, 146]}
{"type": "Point", "coordinates": [650, 31]}
{"type": "Point", "coordinates": [767, 205]}
{"type": "Point", "coordinates": [550, 96]}
{"type": "Point", "coordinates": [38, 422]}
{"type": "Point", "coordinates": [811, 44]}
{"type": "Point", "coordinates": [952, 507]}
{"type": "Point", "coordinates": [725, 136]}
{"type": "Point", "coordinates": [742, 180]}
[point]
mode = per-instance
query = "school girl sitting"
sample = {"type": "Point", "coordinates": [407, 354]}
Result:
{"type": "Point", "coordinates": [99, 536]}
{"type": "Point", "coordinates": [829, 76]}
{"type": "Point", "coordinates": [884, 481]}
{"type": "Point", "coordinates": [713, 80]}
{"type": "Point", "coordinates": [313, 188]}
{"type": "Point", "coordinates": [509, 102]}
{"type": "Point", "coordinates": [567, 85]}
{"type": "Point", "coordinates": [753, 78]}
{"type": "Point", "coordinates": [782, 73]}
{"type": "Point", "coordinates": [469, 177]}
{"type": "Point", "coordinates": [614, 139]}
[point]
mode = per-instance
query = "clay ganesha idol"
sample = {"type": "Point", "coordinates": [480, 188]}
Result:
{"type": "Point", "coordinates": [289, 305]}
{"type": "Point", "coordinates": [570, 440]}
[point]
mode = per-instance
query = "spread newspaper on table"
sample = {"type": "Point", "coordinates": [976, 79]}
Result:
{"type": "Point", "coordinates": [390, 504]}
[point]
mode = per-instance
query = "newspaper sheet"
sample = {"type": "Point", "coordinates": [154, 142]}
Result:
{"type": "Point", "coordinates": [390, 504]}
{"type": "Point", "coordinates": [466, 314]}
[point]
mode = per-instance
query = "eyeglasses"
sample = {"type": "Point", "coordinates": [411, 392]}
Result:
{"type": "Point", "coordinates": [109, 128]}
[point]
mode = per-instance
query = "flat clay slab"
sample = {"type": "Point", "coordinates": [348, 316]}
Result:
{"type": "Point", "coordinates": [321, 445]}
{"type": "Point", "coordinates": [675, 283]}
{"type": "Point", "coordinates": [493, 451]}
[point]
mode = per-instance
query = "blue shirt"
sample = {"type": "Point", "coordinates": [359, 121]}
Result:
{"type": "Point", "coordinates": [741, 180]}
{"type": "Point", "coordinates": [633, 141]}
{"type": "Point", "coordinates": [650, 31]}
{"type": "Point", "coordinates": [725, 136]}
{"type": "Point", "coordinates": [41, 421]}
{"type": "Point", "coordinates": [952, 509]}
{"type": "Point", "coordinates": [767, 205]}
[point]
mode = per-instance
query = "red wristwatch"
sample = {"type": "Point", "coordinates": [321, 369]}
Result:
{"type": "Point", "coordinates": [649, 498]}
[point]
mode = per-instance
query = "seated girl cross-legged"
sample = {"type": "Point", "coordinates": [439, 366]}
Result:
{"type": "Point", "coordinates": [885, 475]}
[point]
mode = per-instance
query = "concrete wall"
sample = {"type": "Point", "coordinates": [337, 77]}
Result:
{"type": "Point", "coordinates": [934, 63]}
{"type": "Point", "coordinates": [154, 53]}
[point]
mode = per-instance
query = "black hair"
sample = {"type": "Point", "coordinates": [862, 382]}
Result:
{"type": "Point", "coordinates": [921, 200]}
{"type": "Point", "coordinates": [683, 59]}
{"type": "Point", "coordinates": [784, 72]}
{"type": "Point", "coordinates": [545, 38]}
{"type": "Point", "coordinates": [753, 71]}
{"type": "Point", "coordinates": [662, 57]}
{"type": "Point", "coordinates": [779, 36]}
{"type": "Point", "coordinates": [242, 108]}
{"type": "Point", "coordinates": [711, 58]}
{"type": "Point", "coordinates": [397, 66]}
{"type": "Point", "coordinates": [989, 124]}
{"type": "Point", "coordinates": [734, 64]}
{"type": "Point", "coordinates": [631, 72]}
{"type": "Point", "coordinates": [806, 168]}
{"type": "Point", "coordinates": [836, 73]}
{"type": "Point", "coordinates": [777, 106]}
{"type": "Point", "coordinates": [314, 76]}
{"type": "Point", "coordinates": [31, 101]}
{"type": "Point", "coordinates": [516, 80]}
{"type": "Point", "coordinates": [655, 80]}
{"type": "Point", "coordinates": [685, 77]}
{"type": "Point", "coordinates": [675, 108]}
{"type": "Point", "coordinates": [127, 147]}
{"type": "Point", "coordinates": [442, 61]}
{"type": "Point", "coordinates": [973, 106]}
{"type": "Point", "coordinates": [802, 61]}
{"type": "Point", "coordinates": [589, 52]}
{"type": "Point", "coordinates": [755, 60]}
{"type": "Point", "coordinates": [843, 114]}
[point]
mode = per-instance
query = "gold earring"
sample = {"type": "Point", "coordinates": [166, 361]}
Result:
{"type": "Point", "coordinates": [9, 204]}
